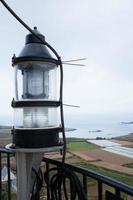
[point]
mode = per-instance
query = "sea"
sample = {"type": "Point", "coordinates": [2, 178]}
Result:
{"type": "Point", "coordinates": [92, 125]}
{"type": "Point", "coordinates": [104, 125]}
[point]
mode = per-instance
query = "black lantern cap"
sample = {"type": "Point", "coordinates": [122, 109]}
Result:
{"type": "Point", "coordinates": [34, 50]}
{"type": "Point", "coordinates": [30, 38]}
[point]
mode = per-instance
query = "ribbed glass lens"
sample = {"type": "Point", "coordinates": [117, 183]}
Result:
{"type": "Point", "coordinates": [36, 117]}
{"type": "Point", "coordinates": [35, 80]}
{"type": "Point", "coordinates": [33, 83]}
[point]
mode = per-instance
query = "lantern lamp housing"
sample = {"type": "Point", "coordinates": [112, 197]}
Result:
{"type": "Point", "coordinates": [36, 104]}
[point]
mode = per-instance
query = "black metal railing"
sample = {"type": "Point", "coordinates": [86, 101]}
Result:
{"type": "Point", "coordinates": [104, 188]}
{"type": "Point", "coordinates": [5, 185]}
{"type": "Point", "coordinates": [94, 185]}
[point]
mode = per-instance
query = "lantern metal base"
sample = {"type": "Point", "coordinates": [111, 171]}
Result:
{"type": "Point", "coordinates": [33, 150]}
{"type": "Point", "coordinates": [24, 138]}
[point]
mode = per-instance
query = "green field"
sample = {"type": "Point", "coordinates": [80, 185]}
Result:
{"type": "Point", "coordinates": [130, 165]}
{"type": "Point", "coordinates": [5, 133]}
{"type": "Point", "coordinates": [127, 179]}
{"type": "Point", "coordinates": [5, 136]}
{"type": "Point", "coordinates": [81, 146]}
{"type": "Point", "coordinates": [75, 145]}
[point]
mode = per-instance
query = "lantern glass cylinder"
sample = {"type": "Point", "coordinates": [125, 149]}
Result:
{"type": "Point", "coordinates": [35, 81]}
{"type": "Point", "coordinates": [36, 117]}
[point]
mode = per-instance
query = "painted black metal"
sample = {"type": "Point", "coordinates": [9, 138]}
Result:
{"type": "Point", "coordinates": [7, 155]}
{"type": "Point", "coordinates": [30, 38]}
{"type": "Point", "coordinates": [59, 186]}
{"type": "Point", "coordinates": [100, 191]}
{"type": "Point", "coordinates": [17, 60]}
{"type": "Point", "coordinates": [20, 104]}
{"type": "Point", "coordinates": [6, 151]}
{"type": "Point", "coordinates": [89, 173]}
{"type": "Point", "coordinates": [85, 184]}
{"type": "Point", "coordinates": [34, 50]}
{"type": "Point", "coordinates": [36, 130]}
{"type": "Point", "coordinates": [117, 193]}
{"type": "Point", "coordinates": [48, 189]}
{"type": "Point", "coordinates": [71, 190]}
{"type": "Point", "coordinates": [111, 196]}
{"type": "Point", "coordinates": [35, 138]}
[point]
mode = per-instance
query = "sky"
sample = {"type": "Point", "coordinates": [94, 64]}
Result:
{"type": "Point", "coordinates": [99, 30]}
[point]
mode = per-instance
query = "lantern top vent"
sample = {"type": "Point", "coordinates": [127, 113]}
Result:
{"type": "Point", "coordinates": [34, 50]}
{"type": "Point", "coordinates": [30, 38]}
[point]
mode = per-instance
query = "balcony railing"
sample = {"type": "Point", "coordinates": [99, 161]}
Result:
{"type": "Point", "coordinates": [5, 156]}
{"type": "Point", "coordinates": [94, 185]}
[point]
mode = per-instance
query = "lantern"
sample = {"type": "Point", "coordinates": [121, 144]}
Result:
{"type": "Point", "coordinates": [36, 101]}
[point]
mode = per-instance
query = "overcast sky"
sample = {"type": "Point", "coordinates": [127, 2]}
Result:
{"type": "Point", "coordinates": [100, 30]}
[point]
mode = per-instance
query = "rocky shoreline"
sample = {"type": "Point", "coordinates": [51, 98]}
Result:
{"type": "Point", "coordinates": [128, 137]}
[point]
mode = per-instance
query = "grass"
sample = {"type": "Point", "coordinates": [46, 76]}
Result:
{"type": "Point", "coordinates": [130, 165]}
{"type": "Point", "coordinates": [5, 136]}
{"type": "Point", "coordinates": [5, 133]}
{"type": "Point", "coordinates": [72, 139]}
{"type": "Point", "coordinates": [127, 179]}
{"type": "Point", "coordinates": [81, 146]}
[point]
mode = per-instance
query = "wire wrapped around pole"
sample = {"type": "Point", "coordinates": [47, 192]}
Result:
{"type": "Point", "coordinates": [60, 180]}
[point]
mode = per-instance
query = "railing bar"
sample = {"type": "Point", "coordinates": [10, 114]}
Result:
{"type": "Point", "coordinates": [71, 190]}
{"type": "Point", "coordinates": [59, 188]}
{"type": "Point", "coordinates": [100, 192]}
{"type": "Point", "coordinates": [9, 178]}
{"type": "Point", "coordinates": [119, 187]}
{"type": "Point", "coordinates": [48, 190]}
{"type": "Point", "coordinates": [106, 180]}
{"type": "Point", "coordinates": [4, 150]}
{"type": "Point", "coordinates": [65, 190]}
{"type": "Point", "coordinates": [117, 192]}
{"type": "Point", "coordinates": [85, 184]}
{"type": "Point", "coordinates": [0, 178]}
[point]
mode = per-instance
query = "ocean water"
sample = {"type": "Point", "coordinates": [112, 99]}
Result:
{"type": "Point", "coordinates": [109, 124]}
{"type": "Point", "coordinates": [86, 124]}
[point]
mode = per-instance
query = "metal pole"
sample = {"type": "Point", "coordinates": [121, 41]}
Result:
{"type": "Point", "coordinates": [25, 178]}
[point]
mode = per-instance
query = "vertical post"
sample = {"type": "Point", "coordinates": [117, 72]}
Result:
{"type": "Point", "coordinates": [59, 185]}
{"type": "Point", "coordinates": [25, 163]}
{"type": "Point", "coordinates": [48, 190]}
{"type": "Point", "coordinates": [71, 190]}
{"type": "Point", "coordinates": [100, 190]}
{"type": "Point", "coordinates": [117, 192]}
{"type": "Point", "coordinates": [9, 178]}
{"type": "Point", "coordinates": [85, 184]}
